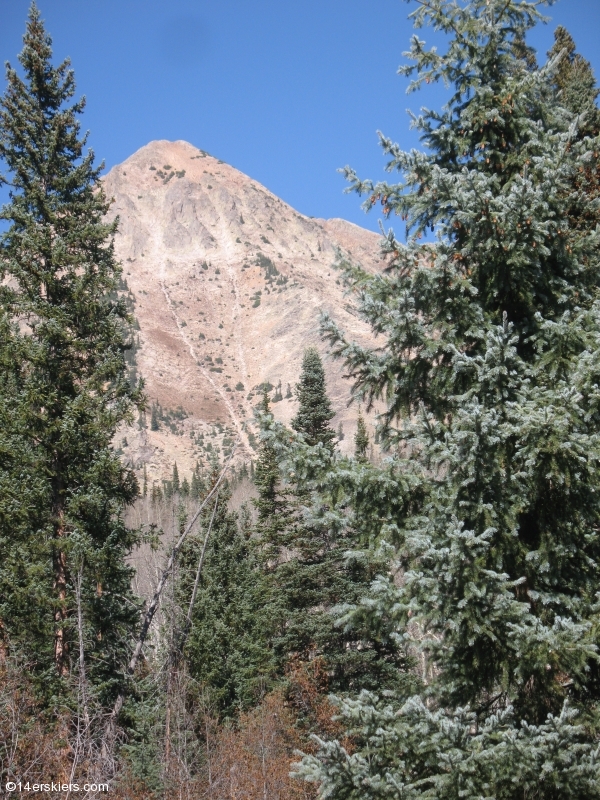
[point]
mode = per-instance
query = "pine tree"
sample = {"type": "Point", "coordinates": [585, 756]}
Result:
{"type": "Point", "coordinates": [314, 412]}
{"type": "Point", "coordinates": [64, 358]}
{"type": "Point", "coordinates": [175, 479]}
{"type": "Point", "coordinates": [488, 371]}
{"type": "Point", "coordinates": [361, 439]}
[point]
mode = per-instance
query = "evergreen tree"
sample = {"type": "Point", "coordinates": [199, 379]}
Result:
{"type": "Point", "coordinates": [575, 83]}
{"type": "Point", "coordinates": [310, 568]}
{"type": "Point", "coordinates": [226, 649]}
{"type": "Point", "coordinates": [361, 439]}
{"type": "Point", "coordinates": [197, 485]}
{"type": "Point", "coordinates": [24, 495]}
{"type": "Point", "coordinates": [175, 480]}
{"type": "Point", "coordinates": [156, 493]}
{"type": "Point", "coordinates": [314, 412]}
{"type": "Point", "coordinates": [63, 345]}
{"type": "Point", "coordinates": [274, 517]}
{"type": "Point", "coordinates": [490, 495]}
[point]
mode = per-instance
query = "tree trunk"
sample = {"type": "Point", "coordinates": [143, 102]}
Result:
{"type": "Point", "coordinates": [61, 645]}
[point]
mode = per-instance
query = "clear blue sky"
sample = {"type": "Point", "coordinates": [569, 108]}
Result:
{"type": "Point", "coordinates": [286, 91]}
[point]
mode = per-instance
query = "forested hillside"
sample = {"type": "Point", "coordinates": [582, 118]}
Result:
{"type": "Point", "coordinates": [287, 616]}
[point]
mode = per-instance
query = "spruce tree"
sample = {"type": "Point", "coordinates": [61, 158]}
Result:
{"type": "Point", "coordinates": [314, 412]}
{"type": "Point", "coordinates": [361, 439]}
{"type": "Point", "coordinates": [490, 495]}
{"type": "Point", "coordinates": [63, 355]}
{"type": "Point", "coordinates": [574, 82]}
{"type": "Point", "coordinates": [274, 517]}
{"type": "Point", "coordinates": [227, 646]}
{"type": "Point", "coordinates": [574, 85]}
{"type": "Point", "coordinates": [310, 568]}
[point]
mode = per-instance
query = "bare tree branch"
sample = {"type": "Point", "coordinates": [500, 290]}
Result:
{"type": "Point", "coordinates": [188, 620]}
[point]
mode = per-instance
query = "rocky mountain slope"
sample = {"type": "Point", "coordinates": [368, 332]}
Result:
{"type": "Point", "coordinates": [227, 283]}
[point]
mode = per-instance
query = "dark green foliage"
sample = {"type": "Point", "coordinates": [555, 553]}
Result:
{"type": "Point", "coordinates": [171, 417]}
{"type": "Point", "coordinates": [322, 574]}
{"type": "Point", "coordinates": [196, 484]}
{"type": "Point", "coordinates": [269, 267]}
{"type": "Point", "coordinates": [274, 516]}
{"type": "Point", "coordinates": [488, 370]}
{"type": "Point", "coordinates": [64, 388]}
{"type": "Point", "coordinates": [361, 439]}
{"type": "Point", "coordinates": [26, 560]}
{"type": "Point", "coordinates": [574, 85]}
{"type": "Point", "coordinates": [574, 82]}
{"type": "Point", "coordinates": [277, 396]}
{"type": "Point", "coordinates": [314, 413]}
{"type": "Point", "coordinates": [157, 494]}
{"type": "Point", "coordinates": [226, 649]}
{"type": "Point", "coordinates": [309, 568]}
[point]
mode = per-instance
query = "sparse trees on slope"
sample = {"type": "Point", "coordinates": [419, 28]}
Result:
{"type": "Point", "coordinates": [491, 495]}
{"type": "Point", "coordinates": [67, 387]}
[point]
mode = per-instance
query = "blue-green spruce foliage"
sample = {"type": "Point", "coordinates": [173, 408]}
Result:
{"type": "Point", "coordinates": [488, 372]}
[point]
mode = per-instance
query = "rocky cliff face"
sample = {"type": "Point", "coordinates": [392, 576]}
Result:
{"type": "Point", "coordinates": [228, 283]}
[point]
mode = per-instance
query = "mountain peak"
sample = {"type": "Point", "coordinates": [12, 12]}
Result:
{"type": "Point", "coordinates": [228, 283]}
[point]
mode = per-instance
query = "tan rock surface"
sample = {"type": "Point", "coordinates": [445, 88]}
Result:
{"type": "Point", "coordinates": [229, 283]}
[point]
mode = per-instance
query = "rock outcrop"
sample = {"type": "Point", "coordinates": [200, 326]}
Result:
{"type": "Point", "coordinates": [228, 283]}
